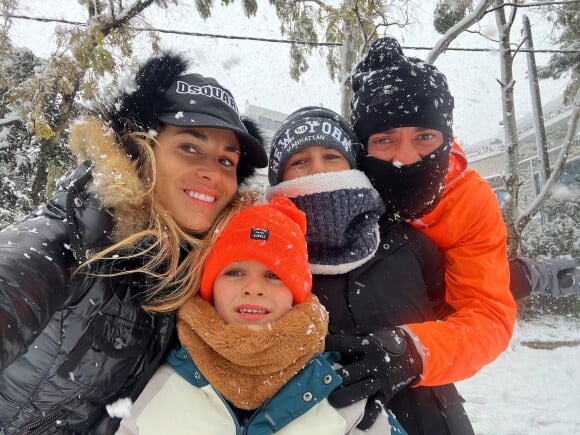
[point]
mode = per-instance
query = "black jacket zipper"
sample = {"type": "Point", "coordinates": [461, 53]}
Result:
{"type": "Point", "coordinates": [39, 426]}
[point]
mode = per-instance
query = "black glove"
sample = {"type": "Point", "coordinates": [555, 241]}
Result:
{"type": "Point", "coordinates": [377, 364]}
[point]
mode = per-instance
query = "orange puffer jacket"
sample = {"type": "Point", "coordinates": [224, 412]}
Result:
{"type": "Point", "coordinates": [467, 226]}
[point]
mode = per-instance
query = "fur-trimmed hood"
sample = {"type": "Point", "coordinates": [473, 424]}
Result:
{"type": "Point", "coordinates": [115, 180]}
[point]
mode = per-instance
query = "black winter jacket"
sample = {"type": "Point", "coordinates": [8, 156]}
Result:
{"type": "Point", "coordinates": [403, 283]}
{"type": "Point", "coordinates": [70, 343]}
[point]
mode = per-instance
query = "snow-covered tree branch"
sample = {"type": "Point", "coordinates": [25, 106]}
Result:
{"type": "Point", "coordinates": [442, 44]}
{"type": "Point", "coordinates": [570, 139]}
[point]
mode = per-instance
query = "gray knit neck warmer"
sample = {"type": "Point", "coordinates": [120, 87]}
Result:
{"type": "Point", "coordinates": [342, 211]}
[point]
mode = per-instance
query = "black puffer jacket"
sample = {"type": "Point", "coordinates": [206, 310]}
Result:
{"type": "Point", "coordinates": [72, 343]}
{"type": "Point", "coordinates": [403, 283]}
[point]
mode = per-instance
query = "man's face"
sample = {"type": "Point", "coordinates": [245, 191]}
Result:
{"type": "Point", "coordinates": [404, 145]}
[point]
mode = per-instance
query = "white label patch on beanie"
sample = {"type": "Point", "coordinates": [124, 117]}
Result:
{"type": "Point", "coordinates": [259, 234]}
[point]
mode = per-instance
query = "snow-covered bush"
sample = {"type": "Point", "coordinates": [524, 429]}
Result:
{"type": "Point", "coordinates": [559, 236]}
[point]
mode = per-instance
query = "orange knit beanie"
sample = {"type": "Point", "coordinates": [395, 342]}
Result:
{"type": "Point", "coordinates": [271, 233]}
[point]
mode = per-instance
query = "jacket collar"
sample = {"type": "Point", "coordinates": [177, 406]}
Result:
{"type": "Point", "coordinates": [115, 180]}
{"type": "Point", "coordinates": [309, 387]}
{"type": "Point", "coordinates": [391, 238]}
{"type": "Point", "coordinates": [456, 171]}
{"type": "Point", "coordinates": [457, 165]}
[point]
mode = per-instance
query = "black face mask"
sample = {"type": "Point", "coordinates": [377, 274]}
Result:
{"type": "Point", "coordinates": [409, 191]}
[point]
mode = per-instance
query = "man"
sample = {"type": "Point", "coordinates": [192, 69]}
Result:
{"type": "Point", "coordinates": [402, 113]}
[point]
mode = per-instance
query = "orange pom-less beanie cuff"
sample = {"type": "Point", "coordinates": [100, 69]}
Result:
{"type": "Point", "coordinates": [271, 233]}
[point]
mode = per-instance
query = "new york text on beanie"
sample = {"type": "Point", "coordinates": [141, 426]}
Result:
{"type": "Point", "coordinates": [306, 127]}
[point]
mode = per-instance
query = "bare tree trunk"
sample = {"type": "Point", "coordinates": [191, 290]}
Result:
{"type": "Point", "coordinates": [347, 64]}
{"type": "Point", "coordinates": [348, 59]}
{"type": "Point", "coordinates": [541, 141]}
{"type": "Point", "coordinates": [510, 206]}
{"type": "Point", "coordinates": [48, 149]}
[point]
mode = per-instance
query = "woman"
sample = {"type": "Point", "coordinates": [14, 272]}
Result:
{"type": "Point", "coordinates": [88, 284]}
{"type": "Point", "coordinates": [373, 274]}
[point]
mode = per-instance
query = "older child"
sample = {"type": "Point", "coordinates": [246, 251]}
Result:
{"type": "Point", "coordinates": [252, 339]}
{"type": "Point", "coordinates": [372, 273]}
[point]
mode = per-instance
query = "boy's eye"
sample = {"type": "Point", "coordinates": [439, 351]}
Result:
{"type": "Point", "coordinates": [272, 275]}
{"type": "Point", "coordinates": [233, 272]}
{"type": "Point", "coordinates": [298, 162]}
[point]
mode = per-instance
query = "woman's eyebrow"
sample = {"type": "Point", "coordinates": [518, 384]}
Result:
{"type": "Point", "coordinates": [199, 134]}
{"type": "Point", "coordinates": [234, 148]}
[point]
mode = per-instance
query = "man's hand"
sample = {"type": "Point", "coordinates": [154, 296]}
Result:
{"type": "Point", "coordinates": [377, 364]}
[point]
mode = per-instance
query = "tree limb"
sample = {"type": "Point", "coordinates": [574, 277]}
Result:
{"type": "Point", "coordinates": [318, 2]}
{"type": "Point", "coordinates": [7, 122]}
{"type": "Point", "coordinates": [127, 15]}
{"type": "Point", "coordinates": [531, 5]}
{"type": "Point", "coordinates": [454, 31]}
{"type": "Point", "coordinates": [512, 17]}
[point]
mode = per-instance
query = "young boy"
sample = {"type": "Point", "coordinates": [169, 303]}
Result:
{"type": "Point", "coordinates": [252, 339]}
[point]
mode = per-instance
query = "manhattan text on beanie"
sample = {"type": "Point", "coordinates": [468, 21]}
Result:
{"type": "Point", "coordinates": [307, 127]}
{"type": "Point", "coordinates": [272, 234]}
{"type": "Point", "coordinates": [392, 90]}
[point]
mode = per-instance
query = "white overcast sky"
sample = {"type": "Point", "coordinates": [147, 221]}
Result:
{"type": "Point", "coordinates": [257, 72]}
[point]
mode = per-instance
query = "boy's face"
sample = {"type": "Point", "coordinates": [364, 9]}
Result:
{"type": "Point", "coordinates": [196, 173]}
{"type": "Point", "coordinates": [247, 292]}
{"type": "Point", "coordinates": [314, 160]}
{"type": "Point", "coordinates": [404, 145]}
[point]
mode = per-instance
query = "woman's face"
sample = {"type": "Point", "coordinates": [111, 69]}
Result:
{"type": "Point", "coordinates": [314, 160]}
{"type": "Point", "coordinates": [196, 173]}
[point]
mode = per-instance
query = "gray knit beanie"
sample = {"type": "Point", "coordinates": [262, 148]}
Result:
{"type": "Point", "coordinates": [306, 127]}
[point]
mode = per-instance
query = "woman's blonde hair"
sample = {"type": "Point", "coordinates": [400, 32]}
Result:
{"type": "Point", "coordinates": [171, 256]}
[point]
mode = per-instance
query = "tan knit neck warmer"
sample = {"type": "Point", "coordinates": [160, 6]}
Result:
{"type": "Point", "coordinates": [248, 367]}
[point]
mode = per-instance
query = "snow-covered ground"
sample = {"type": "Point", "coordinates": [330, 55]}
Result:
{"type": "Point", "coordinates": [530, 389]}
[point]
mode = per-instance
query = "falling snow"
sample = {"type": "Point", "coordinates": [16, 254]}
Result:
{"type": "Point", "coordinates": [121, 408]}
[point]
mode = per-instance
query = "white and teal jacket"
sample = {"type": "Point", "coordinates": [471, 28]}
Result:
{"type": "Point", "coordinates": [179, 400]}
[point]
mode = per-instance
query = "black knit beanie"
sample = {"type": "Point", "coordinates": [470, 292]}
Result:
{"type": "Point", "coordinates": [392, 90]}
{"type": "Point", "coordinates": [306, 127]}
